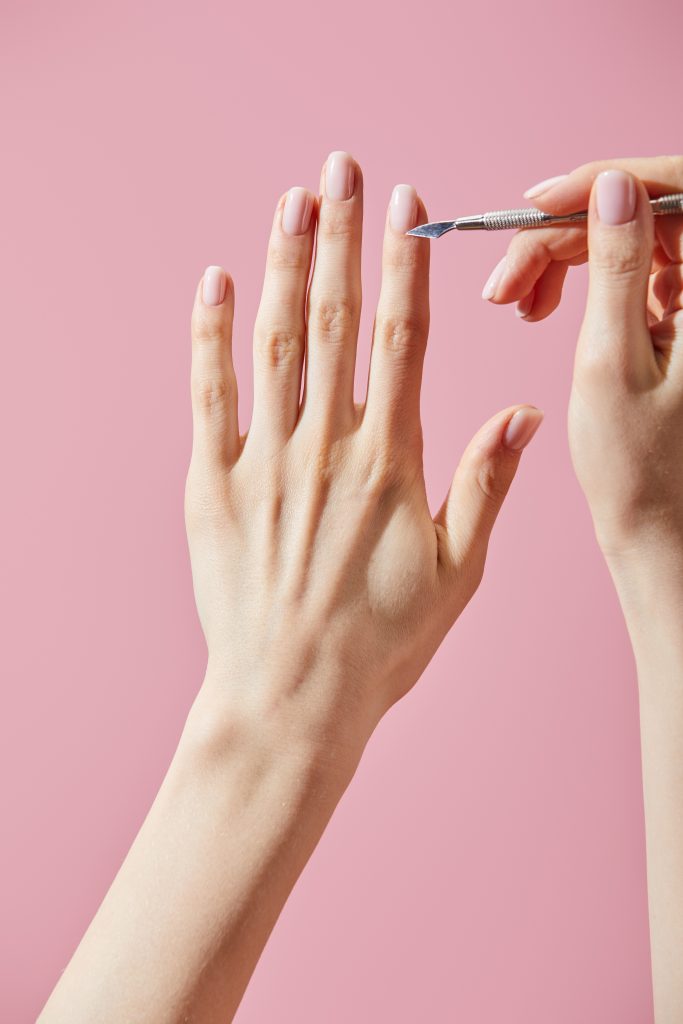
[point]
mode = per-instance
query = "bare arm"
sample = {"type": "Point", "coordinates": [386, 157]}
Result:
{"type": "Point", "coordinates": [626, 434]}
{"type": "Point", "coordinates": [323, 585]}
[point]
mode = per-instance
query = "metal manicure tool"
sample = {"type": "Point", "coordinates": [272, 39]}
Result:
{"type": "Point", "coordinates": [499, 220]}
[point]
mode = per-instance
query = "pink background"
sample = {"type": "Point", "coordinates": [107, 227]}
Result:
{"type": "Point", "coordinates": [487, 864]}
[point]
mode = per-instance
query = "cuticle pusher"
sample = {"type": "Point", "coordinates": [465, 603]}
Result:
{"type": "Point", "coordinates": [530, 217]}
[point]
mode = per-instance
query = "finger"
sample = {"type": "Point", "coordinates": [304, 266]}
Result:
{"type": "Point", "coordinates": [568, 193]}
{"type": "Point", "coordinates": [667, 338]}
{"type": "Point", "coordinates": [667, 289]}
{"type": "Point", "coordinates": [334, 299]}
{"type": "Point", "coordinates": [215, 435]}
{"type": "Point", "coordinates": [660, 175]}
{"type": "Point", "coordinates": [401, 322]}
{"type": "Point", "coordinates": [280, 329]}
{"type": "Point", "coordinates": [481, 483]}
{"type": "Point", "coordinates": [529, 255]}
{"type": "Point", "coordinates": [620, 243]}
{"type": "Point", "coordinates": [546, 294]}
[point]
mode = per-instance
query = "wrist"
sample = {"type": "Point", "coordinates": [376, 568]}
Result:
{"type": "Point", "coordinates": [648, 576]}
{"type": "Point", "coordinates": [261, 724]}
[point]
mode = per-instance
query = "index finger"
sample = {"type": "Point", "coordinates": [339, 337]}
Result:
{"type": "Point", "coordinates": [661, 175]}
{"type": "Point", "coordinates": [533, 251]}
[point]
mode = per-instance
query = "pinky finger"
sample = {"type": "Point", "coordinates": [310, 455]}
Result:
{"type": "Point", "coordinates": [215, 438]}
{"type": "Point", "coordinates": [546, 295]}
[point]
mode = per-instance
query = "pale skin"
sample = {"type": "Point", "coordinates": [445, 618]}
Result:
{"type": "Point", "coordinates": [626, 437]}
{"type": "Point", "coordinates": [324, 584]}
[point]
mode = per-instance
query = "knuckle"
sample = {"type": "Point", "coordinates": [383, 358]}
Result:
{"type": "Point", "coordinates": [204, 503]}
{"type": "Point", "coordinates": [278, 347]}
{"type": "Point", "coordinates": [402, 335]}
{"type": "Point", "coordinates": [288, 257]}
{"type": "Point", "coordinates": [211, 395]}
{"type": "Point", "coordinates": [381, 473]}
{"type": "Point", "coordinates": [338, 222]}
{"type": "Point", "coordinates": [490, 484]}
{"type": "Point", "coordinates": [207, 328]}
{"type": "Point", "coordinates": [322, 461]}
{"type": "Point", "coordinates": [600, 363]}
{"type": "Point", "coordinates": [630, 261]}
{"type": "Point", "coordinates": [333, 319]}
{"type": "Point", "coordinates": [400, 257]}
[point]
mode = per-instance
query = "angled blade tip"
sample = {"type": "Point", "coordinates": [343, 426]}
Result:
{"type": "Point", "coordinates": [433, 230]}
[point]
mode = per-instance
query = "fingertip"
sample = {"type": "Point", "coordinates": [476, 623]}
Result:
{"type": "Point", "coordinates": [521, 428]}
{"type": "Point", "coordinates": [525, 305]}
{"type": "Point", "coordinates": [341, 177]}
{"type": "Point", "coordinates": [214, 286]}
{"type": "Point", "coordinates": [403, 209]}
{"type": "Point", "coordinates": [494, 280]}
{"type": "Point", "coordinates": [297, 208]}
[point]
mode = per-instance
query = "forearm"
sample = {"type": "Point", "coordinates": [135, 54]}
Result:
{"type": "Point", "coordinates": [650, 586]}
{"type": "Point", "coordinates": [182, 927]}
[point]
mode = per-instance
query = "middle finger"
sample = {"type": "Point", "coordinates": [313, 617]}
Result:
{"type": "Point", "coordinates": [334, 299]}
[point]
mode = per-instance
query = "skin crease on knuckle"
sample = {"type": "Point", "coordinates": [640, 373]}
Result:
{"type": "Point", "coordinates": [403, 335]}
{"type": "Point", "coordinates": [278, 347]}
{"type": "Point", "coordinates": [333, 319]}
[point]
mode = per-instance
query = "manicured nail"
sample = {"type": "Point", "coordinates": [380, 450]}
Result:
{"type": "Point", "coordinates": [403, 209]}
{"type": "Point", "coordinates": [522, 428]}
{"type": "Point", "coordinates": [616, 197]}
{"type": "Point", "coordinates": [339, 176]}
{"type": "Point", "coordinates": [296, 215]}
{"type": "Point", "coordinates": [491, 286]}
{"type": "Point", "coordinates": [213, 288]}
{"type": "Point", "coordinates": [525, 305]}
{"type": "Point", "coordinates": [544, 186]}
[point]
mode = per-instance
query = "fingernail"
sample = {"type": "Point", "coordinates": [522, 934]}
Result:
{"type": "Point", "coordinates": [339, 176]}
{"type": "Point", "coordinates": [491, 286]}
{"type": "Point", "coordinates": [615, 197]}
{"type": "Point", "coordinates": [522, 428]}
{"type": "Point", "coordinates": [524, 306]}
{"type": "Point", "coordinates": [544, 186]}
{"type": "Point", "coordinates": [213, 288]}
{"type": "Point", "coordinates": [296, 215]}
{"type": "Point", "coordinates": [403, 208]}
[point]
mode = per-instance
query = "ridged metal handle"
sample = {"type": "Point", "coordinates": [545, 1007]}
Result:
{"type": "Point", "coordinates": [500, 220]}
{"type": "Point", "coordinates": [668, 204]}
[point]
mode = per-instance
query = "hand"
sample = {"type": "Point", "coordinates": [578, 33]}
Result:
{"type": "Point", "coordinates": [323, 583]}
{"type": "Point", "coordinates": [323, 586]}
{"type": "Point", "coordinates": [626, 408]}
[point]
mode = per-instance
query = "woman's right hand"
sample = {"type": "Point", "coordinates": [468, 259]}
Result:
{"type": "Point", "coordinates": [626, 408]}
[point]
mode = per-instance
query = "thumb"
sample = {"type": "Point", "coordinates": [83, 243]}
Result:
{"type": "Point", "coordinates": [620, 243]}
{"type": "Point", "coordinates": [482, 481]}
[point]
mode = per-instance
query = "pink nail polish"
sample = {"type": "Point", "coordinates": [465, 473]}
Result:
{"type": "Point", "coordinates": [615, 197]}
{"type": "Point", "coordinates": [525, 305]}
{"type": "Point", "coordinates": [213, 287]}
{"type": "Point", "coordinates": [491, 286]}
{"type": "Point", "coordinates": [339, 176]}
{"type": "Point", "coordinates": [522, 427]}
{"type": "Point", "coordinates": [296, 214]}
{"type": "Point", "coordinates": [403, 209]}
{"type": "Point", "coordinates": [544, 186]}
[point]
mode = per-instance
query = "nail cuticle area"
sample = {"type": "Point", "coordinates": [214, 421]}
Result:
{"type": "Point", "coordinates": [214, 286]}
{"type": "Point", "coordinates": [296, 213]}
{"type": "Point", "coordinates": [615, 198]}
{"type": "Point", "coordinates": [403, 209]}
{"type": "Point", "coordinates": [340, 176]}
